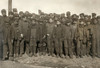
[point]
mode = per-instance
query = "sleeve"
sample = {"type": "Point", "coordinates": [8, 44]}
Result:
{"type": "Point", "coordinates": [12, 32]}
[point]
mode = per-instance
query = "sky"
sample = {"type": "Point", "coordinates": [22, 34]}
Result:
{"type": "Point", "coordinates": [54, 6]}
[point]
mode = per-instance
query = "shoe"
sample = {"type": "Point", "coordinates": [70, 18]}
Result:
{"type": "Point", "coordinates": [71, 57]}
{"type": "Point", "coordinates": [81, 56]}
{"type": "Point", "coordinates": [53, 55]}
{"type": "Point", "coordinates": [31, 54]}
{"type": "Point", "coordinates": [62, 56]}
{"type": "Point", "coordinates": [57, 56]}
{"type": "Point", "coordinates": [35, 55]}
{"type": "Point", "coordinates": [77, 56]}
{"type": "Point", "coordinates": [40, 54]}
{"type": "Point", "coordinates": [20, 55]}
{"type": "Point", "coordinates": [66, 57]}
{"type": "Point", "coordinates": [3, 59]}
{"type": "Point", "coordinates": [44, 53]}
{"type": "Point", "coordinates": [11, 58]}
{"type": "Point", "coordinates": [87, 55]}
{"type": "Point", "coordinates": [49, 54]}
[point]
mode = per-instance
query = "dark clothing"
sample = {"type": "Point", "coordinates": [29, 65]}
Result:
{"type": "Point", "coordinates": [41, 31]}
{"type": "Point", "coordinates": [74, 29]}
{"type": "Point", "coordinates": [33, 39]}
{"type": "Point", "coordinates": [94, 40]}
{"type": "Point", "coordinates": [17, 39]}
{"type": "Point", "coordinates": [80, 37]}
{"type": "Point", "coordinates": [7, 32]}
{"type": "Point", "coordinates": [41, 36]}
{"type": "Point", "coordinates": [49, 32]}
{"type": "Point", "coordinates": [1, 39]}
{"type": "Point", "coordinates": [98, 40]}
{"type": "Point", "coordinates": [25, 30]}
{"type": "Point", "coordinates": [68, 40]}
{"type": "Point", "coordinates": [58, 36]}
{"type": "Point", "coordinates": [88, 39]}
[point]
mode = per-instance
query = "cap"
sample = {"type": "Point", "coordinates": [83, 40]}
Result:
{"type": "Point", "coordinates": [74, 16]}
{"type": "Point", "coordinates": [98, 17]}
{"type": "Point", "coordinates": [68, 12]}
{"type": "Point", "coordinates": [58, 22]}
{"type": "Point", "coordinates": [86, 15]}
{"type": "Point", "coordinates": [93, 14]}
{"type": "Point", "coordinates": [82, 14]}
{"type": "Point", "coordinates": [63, 14]}
{"type": "Point", "coordinates": [27, 13]}
{"type": "Point", "coordinates": [3, 10]}
{"type": "Point", "coordinates": [21, 12]}
{"type": "Point", "coordinates": [14, 9]}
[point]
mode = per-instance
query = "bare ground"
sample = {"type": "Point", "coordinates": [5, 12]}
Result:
{"type": "Point", "coordinates": [51, 62]}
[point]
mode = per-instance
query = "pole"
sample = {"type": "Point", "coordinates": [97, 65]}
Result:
{"type": "Point", "coordinates": [9, 5]}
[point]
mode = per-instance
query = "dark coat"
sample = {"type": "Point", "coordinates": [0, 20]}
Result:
{"type": "Point", "coordinates": [7, 29]}
{"type": "Point", "coordinates": [49, 29]}
{"type": "Point", "coordinates": [25, 29]}
{"type": "Point", "coordinates": [58, 32]}
{"type": "Point", "coordinates": [98, 40]}
{"type": "Point", "coordinates": [16, 32]}
{"type": "Point", "coordinates": [41, 31]}
{"type": "Point", "coordinates": [68, 32]}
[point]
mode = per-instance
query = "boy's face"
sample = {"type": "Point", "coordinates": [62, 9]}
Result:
{"type": "Point", "coordinates": [86, 18]}
{"type": "Point", "coordinates": [4, 13]}
{"type": "Point", "coordinates": [16, 18]}
{"type": "Point", "coordinates": [11, 16]}
{"type": "Point", "coordinates": [21, 15]}
{"type": "Point", "coordinates": [68, 24]}
{"type": "Point", "coordinates": [33, 22]}
{"type": "Point", "coordinates": [81, 16]}
{"type": "Point", "coordinates": [50, 20]}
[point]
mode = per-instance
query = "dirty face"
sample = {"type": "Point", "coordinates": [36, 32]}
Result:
{"type": "Point", "coordinates": [81, 16]}
{"type": "Point", "coordinates": [50, 20]}
{"type": "Point", "coordinates": [33, 22]}
{"type": "Point", "coordinates": [95, 21]}
{"type": "Point", "coordinates": [3, 13]}
{"type": "Point", "coordinates": [68, 24]}
{"type": "Point", "coordinates": [10, 16]}
{"type": "Point", "coordinates": [68, 14]}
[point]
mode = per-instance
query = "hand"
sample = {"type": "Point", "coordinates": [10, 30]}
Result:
{"type": "Point", "coordinates": [22, 35]}
{"type": "Point", "coordinates": [48, 34]}
{"type": "Point", "coordinates": [44, 36]}
{"type": "Point", "coordinates": [74, 38]}
{"type": "Point", "coordinates": [12, 41]}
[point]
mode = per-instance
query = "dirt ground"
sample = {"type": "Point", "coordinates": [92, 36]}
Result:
{"type": "Point", "coordinates": [51, 62]}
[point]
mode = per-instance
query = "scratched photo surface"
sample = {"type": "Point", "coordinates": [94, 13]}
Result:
{"type": "Point", "coordinates": [59, 7]}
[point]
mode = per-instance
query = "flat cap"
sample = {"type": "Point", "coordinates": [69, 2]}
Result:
{"type": "Point", "coordinates": [98, 17]}
{"type": "Point", "coordinates": [68, 12]}
{"type": "Point", "coordinates": [81, 14]}
{"type": "Point", "coordinates": [14, 9]}
{"type": "Point", "coordinates": [21, 12]}
{"type": "Point", "coordinates": [93, 14]}
{"type": "Point", "coordinates": [3, 10]}
{"type": "Point", "coordinates": [27, 13]}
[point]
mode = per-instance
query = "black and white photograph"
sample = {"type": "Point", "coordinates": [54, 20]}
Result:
{"type": "Point", "coordinates": [49, 33]}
